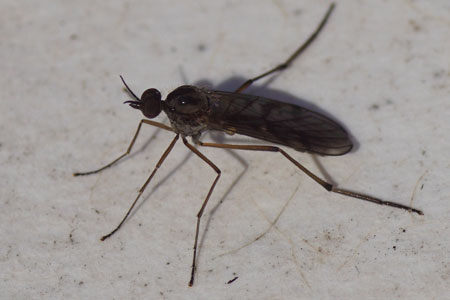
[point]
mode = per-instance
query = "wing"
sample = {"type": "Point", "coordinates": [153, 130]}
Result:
{"type": "Point", "coordinates": [277, 122]}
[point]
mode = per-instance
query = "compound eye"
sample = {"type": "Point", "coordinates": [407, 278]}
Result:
{"type": "Point", "coordinates": [151, 103]}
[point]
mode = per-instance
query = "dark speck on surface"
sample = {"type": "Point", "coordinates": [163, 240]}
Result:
{"type": "Point", "coordinates": [414, 25]}
{"type": "Point", "coordinates": [232, 280]}
{"type": "Point", "coordinates": [201, 47]}
{"type": "Point", "coordinates": [439, 73]}
{"type": "Point", "coordinates": [374, 107]}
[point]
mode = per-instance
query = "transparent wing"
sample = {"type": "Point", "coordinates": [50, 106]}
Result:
{"type": "Point", "coordinates": [277, 122]}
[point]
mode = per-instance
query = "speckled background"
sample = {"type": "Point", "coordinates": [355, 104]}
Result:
{"type": "Point", "coordinates": [380, 67]}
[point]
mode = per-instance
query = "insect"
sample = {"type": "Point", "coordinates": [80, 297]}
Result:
{"type": "Point", "coordinates": [193, 110]}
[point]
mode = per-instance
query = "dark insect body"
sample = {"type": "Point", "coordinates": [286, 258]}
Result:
{"type": "Point", "coordinates": [192, 110]}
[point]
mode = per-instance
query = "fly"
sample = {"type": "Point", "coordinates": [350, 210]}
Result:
{"type": "Point", "coordinates": [193, 110]}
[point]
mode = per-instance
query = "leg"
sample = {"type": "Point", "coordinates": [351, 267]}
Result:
{"type": "Point", "coordinates": [329, 187]}
{"type": "Point", "coordinates": [288, 62]}
{"type": "Point", "coordinates": [200, 212]}
{"type": "Point", "coordinates": [161, 160]}
{"type": "Point", "coordinates": [149, 122]}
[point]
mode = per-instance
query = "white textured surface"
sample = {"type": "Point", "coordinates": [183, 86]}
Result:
{"type": "Point", "coordinates": [380, 67]}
